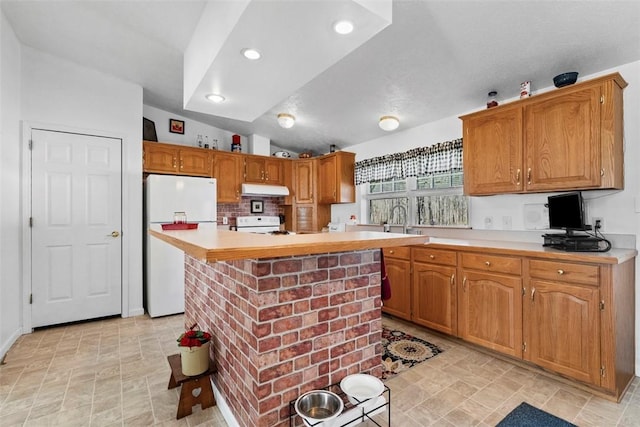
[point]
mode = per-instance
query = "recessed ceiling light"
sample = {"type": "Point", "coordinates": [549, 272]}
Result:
{"type": "Point", "coordinates": [251, 54]}
{"type": "Point", "coordinates": [343, 27]}
{"type": "Point", "coordinates": [389, 123]}
{"type": "Point", "coordinates": [215, 97]}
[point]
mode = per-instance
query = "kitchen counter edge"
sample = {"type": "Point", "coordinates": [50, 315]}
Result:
{"type": "Point", "coordinates": [221, 245]}
{"type": "Point", "coordinates": [613, 256]}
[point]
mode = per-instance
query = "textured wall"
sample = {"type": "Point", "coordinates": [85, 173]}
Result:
{"type": "Point", "coordinates": [283, 326]}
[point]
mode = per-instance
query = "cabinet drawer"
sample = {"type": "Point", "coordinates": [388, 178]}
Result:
{"type": "Point", "coordinates": [564, 272]}
{"type": "Point", "coordinates": [403, 252]}
{"type": "Point", "coordinates": [495, 263]}
{"type": "Point", "coordinates": [434, 256]}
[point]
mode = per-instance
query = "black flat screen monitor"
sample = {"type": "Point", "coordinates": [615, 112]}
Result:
{"type": "Point", "coordinates": [566, 212]}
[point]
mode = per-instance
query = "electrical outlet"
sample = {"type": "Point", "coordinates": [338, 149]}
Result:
{"type": "Point", "coordinates": [225, 220]}
{"type": "Point", "coordinates": [594, 222]}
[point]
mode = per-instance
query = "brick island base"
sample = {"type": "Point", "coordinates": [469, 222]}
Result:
{"type": "Point", "coordinates": [283, 326]}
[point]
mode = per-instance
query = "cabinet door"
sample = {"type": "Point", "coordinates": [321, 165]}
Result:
{"type": "Point", "coordinates": [304, 177]}
{"type": "Point", "coordinates": [274, 171]}
{"type": "Point", "coordinates": [399, 275]}
{"type": "Point", "coordinates": [195, 162]}
{"type": "Point", "coordinates": [227, 169]}
{"type": "Point", "coordinates": [327, 180]}
{"type": "Point", "coordinates": [490, 311]}
{"type": "Point", "coordinates": [253, 170]}
{"type": "Point", "coordinates": [162, 158]}
{"type": "Point", "coordinates": [434, 297]}
{"type": "Point", "coordinates": [562, 138]}
{"type": "Point", "coordinates": [562, 328]}
{"type": "Point", "coordinates": [305, 218]}
{"type": "Point", "coordinates": [492, 152]}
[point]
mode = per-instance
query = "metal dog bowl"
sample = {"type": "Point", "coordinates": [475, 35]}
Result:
{"type": "Point", "coordinates": [319, 405]}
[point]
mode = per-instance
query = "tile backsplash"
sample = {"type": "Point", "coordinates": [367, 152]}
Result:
{"type": "Point", "coordinates": [272, 207]}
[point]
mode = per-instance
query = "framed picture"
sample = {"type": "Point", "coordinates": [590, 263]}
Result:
{"type": "Point", "coordinates": [176, 126]}
{"type": "Point", "coordinates": [257, 206]}
{"type": "Point", "coordinates": [148, 130]}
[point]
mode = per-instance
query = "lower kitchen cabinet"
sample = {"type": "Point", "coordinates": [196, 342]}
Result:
{"type": "Point", "coordinates": [564, 294]}
{"type": "Point", "coordinates": [434, 290]}
{"type": "Point", "coordinates": [490, 302]}
{"type": "Point", "coordinates": [563, 329]}
{"type": "Point", "coordinates": [398, 269]}
{"type": "Point", "coordinates": [572, 314]}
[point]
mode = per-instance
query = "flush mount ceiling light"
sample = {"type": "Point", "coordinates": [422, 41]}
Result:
{"type": "Point", "coordinates": [215, 98]}
{"type": "Point", "coordinates": [251, 54]}
{"type": "Point", "coordinates": [286, 120]}
{"type": "Point", "coordinates": [389, 123]}
{"type": "Point", "coordinates": [343, 27]}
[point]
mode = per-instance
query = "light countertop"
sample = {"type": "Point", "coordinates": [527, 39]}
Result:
{"type": "Point", "coordinates": [613, 256]}
{"type": "Point", "coordinates": [221, 245]}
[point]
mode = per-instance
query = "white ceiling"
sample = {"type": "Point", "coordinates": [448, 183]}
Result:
{"type": "Point", "coordinates": [436, 59]}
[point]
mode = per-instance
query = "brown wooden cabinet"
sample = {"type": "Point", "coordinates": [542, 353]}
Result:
{"type": "Point", "coordinates": [490, 302]}
{"type": "Point", "coordinates": [304, 176]}
{"type": "Point", "coordinates": [434, 289]}
{"type": "Point", "coordinates": [571, 317]}
{"type": "Point", "coordinates": [265, 170]}
{"type": "Point", "coordinates": [397, 262]}
{"type": "Point", "coordinates": [227, 169]}
{"type": "Point", "coordinates": [566, 139]}
{"type": "Point", "coordinates": [175, 159]}
{"type": "Point", "coordinates": [305, 214]}
{"type": "Point", "coordinates": [306, 218]}
{"type": "Point", "coordinates": [336, 179]}
{"type": "Point", "coordinates": [561, 315]}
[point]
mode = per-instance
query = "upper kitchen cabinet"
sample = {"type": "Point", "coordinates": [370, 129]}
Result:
{"type": "Point", "coordinates": [492, 152]}
{"type": "Point", "coordinates": [565, 139]}
{"type": "Point", "coordinates": [336, 180]}
{"type": "Point", "coordinates": [175, 159]}
{"type": "Point", "coordinates": [227, 169]}
{"type": "Point", "coordinates": [304, 177]}
{"type": "Point", "coordinates": [264, 170]}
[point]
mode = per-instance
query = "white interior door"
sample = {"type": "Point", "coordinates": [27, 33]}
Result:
{"type": "Point", "coordinates": [76, 216]}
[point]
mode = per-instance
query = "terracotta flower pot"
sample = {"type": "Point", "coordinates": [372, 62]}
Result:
{"type": "Point", "coordinates": [195, 360]}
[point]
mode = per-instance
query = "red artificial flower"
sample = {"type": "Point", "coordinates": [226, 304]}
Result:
{"type": "Point", "coordinates": [193, 338]}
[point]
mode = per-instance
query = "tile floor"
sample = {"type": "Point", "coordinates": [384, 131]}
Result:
{"type": "Point", "coordinates": [114, 373]}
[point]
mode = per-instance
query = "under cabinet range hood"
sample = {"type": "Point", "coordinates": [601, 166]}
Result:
{"type": "Point", "coordinates": [264, 190]}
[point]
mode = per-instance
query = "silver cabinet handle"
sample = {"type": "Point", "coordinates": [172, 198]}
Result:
{"type": "Point", "coordinates": [533, 294]}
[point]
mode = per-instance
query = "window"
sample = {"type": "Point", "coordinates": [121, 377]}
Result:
{"type": "Point", "coordinates": [433, 200]}
{"type": "Point", "coordinates": [422, 186]}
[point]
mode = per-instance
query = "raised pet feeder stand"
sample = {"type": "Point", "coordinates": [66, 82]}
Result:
{"type": "Point", "coordinates": [352, 414]}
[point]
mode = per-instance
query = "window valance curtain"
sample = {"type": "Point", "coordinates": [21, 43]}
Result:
{"type": "Point", "coordinates": [441, 157]}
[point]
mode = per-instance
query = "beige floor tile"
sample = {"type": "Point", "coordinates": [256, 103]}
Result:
{"type": "Point", "coordinates": [117, 373]}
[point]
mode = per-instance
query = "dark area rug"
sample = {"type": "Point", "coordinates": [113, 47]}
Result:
{"type": "Point", "coordinates": [526, 415]}
{"type": "Point", "coordinates": [403, 351]}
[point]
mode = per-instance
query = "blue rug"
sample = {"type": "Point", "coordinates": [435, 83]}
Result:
{"type": "Point", "coordinates": [526, 415]}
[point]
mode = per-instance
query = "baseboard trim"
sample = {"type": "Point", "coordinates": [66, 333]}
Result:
{"type": "Point", "coordinates": [225, 411]}
{"type": "Point", "coordinates": [7, 344]}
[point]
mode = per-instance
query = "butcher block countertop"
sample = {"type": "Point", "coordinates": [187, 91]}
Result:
{"type": "Point", "coordinates": [221, 245]}
{"type": "Point", "coordinates": [613, 256]}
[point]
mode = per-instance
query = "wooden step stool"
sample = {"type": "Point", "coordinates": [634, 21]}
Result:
{"type": "Point", "coordinates": [189, 384]}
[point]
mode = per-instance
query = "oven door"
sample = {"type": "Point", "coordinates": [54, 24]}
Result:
{"type": "Point", "coordinates": [262, 230]}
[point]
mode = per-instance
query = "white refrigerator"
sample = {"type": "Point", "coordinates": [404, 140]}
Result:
{"type": "Point", "coordinates": [164, 264]}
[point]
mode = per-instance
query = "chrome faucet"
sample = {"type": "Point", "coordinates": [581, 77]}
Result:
{"type": "Point", "coordinates": [405, 219]}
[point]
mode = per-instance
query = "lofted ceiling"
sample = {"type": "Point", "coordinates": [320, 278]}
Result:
{"type": "Point", "coordinates": [435, 59]}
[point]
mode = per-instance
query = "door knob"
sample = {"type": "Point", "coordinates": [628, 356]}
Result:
{"type": "Point", "coordinates": [114, 234]}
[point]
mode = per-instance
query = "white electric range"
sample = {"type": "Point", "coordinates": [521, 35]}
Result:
{"type": "Point", "coordinates": [259, 224]}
